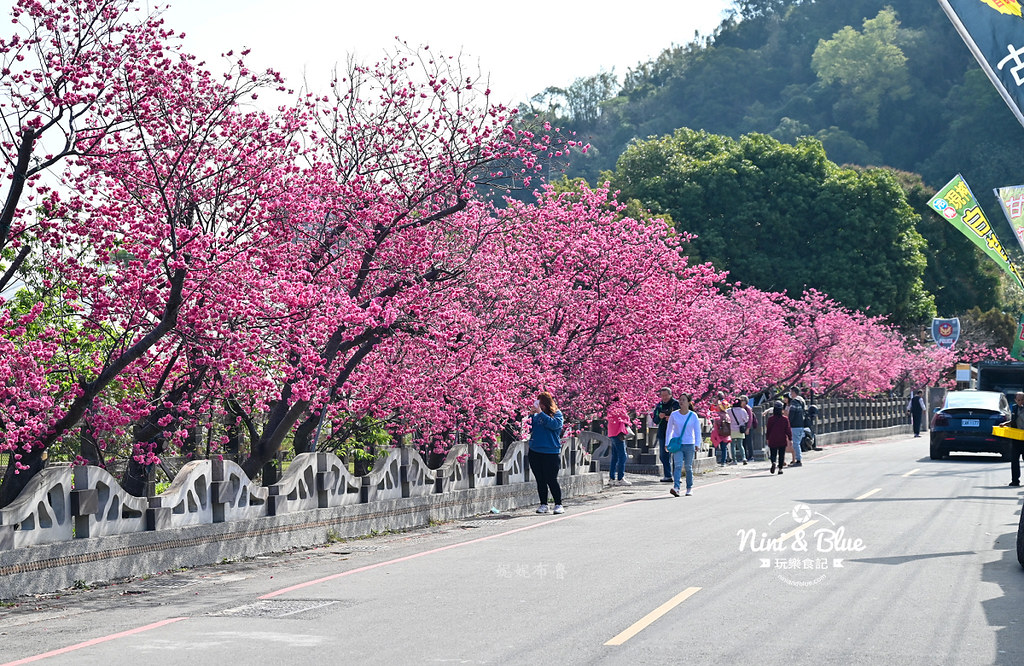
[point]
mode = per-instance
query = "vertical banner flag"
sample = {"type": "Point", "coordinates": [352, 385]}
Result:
{"type": "Point", "coordinates": [1011, 200]}
{"type": "Point", "coordinates": [1018, 343]}
{"type": "Point", "coordinates": [956, 203]}
{"type": "Point", "coordinates": [994, 32]}
{"type": "Point", "coordinates": [945, 332]}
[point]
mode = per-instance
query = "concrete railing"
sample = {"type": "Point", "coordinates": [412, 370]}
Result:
{"type": "Point", "coordinates": [65, 503]}
{"type": "Point", "coordinates": [836, 421]}
{"type": "Point", "coordinates": [74, 524]}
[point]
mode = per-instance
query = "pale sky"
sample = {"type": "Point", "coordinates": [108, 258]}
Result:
{"type": "Point", "coordinates": [525, 47]}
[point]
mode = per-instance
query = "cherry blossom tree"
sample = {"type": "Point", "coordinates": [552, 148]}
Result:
{"type": "Point", "coordinates": [386, 218]}
{"type": "Point", "coordinates": [153, 215]}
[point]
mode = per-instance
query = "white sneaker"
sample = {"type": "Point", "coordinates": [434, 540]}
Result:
{"type": "Point", "coordinates": [613, 482]}
{"type": "Point", "coordinates": [624, 482]}
{"type": "Point", "coordinates": [689, 492]}
{"type": "Point", "coordinates": [543, 508]}
{"type": "Point", "coordinates": [559, 509]}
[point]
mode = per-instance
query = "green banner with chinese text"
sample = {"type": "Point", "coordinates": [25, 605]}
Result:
{"type": "Point", "coordinates": [1018, 342]}
{"type": "Point", "coordinates": [957, 204]}
{"type": "Point", "coordinates": [1011, 200]}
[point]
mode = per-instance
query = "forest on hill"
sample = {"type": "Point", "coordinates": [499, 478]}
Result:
{"type": "Point", "coordinates": [879, 83]}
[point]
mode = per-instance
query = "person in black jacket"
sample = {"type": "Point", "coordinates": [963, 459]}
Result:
{"type": "Point", "coordinates": [1016, 421]}
{"type": "Point", "coordinates": [660, 415]}
{"type": "Point", "coordinates": [916, 410]}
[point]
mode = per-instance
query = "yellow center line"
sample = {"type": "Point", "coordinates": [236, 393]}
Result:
{"type": "Point", "coordinates": [649, 619]}
{"type": "Point", "coordinates": [802, 527]}
{"type": "Point", "coordinates": [868, 494]}
{"type": "Point", "coordinates": [911, 472]}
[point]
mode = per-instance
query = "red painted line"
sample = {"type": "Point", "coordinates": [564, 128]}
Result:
{"type": "Point", "coordinates": [461, 544]}
{"type": "Point", "coordinates": [94, 641]}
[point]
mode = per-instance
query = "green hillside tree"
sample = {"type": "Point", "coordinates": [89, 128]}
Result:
{"type": "Point", "coordinates": [784, 217]}
{"type": "Point", "coordinates": [869, 65]}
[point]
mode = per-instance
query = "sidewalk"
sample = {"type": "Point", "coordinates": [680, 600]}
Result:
{"type": "Point", "coordinates": [703, 467]}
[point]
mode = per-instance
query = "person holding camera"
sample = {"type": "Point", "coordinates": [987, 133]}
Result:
{"type": "Point", "coordinates": [546, 449]}
{"type": "Point", "coordinates": [738, 422]}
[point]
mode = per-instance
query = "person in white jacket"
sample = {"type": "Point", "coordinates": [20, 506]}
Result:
{"type": "Point", "coordinates": [683, 424]}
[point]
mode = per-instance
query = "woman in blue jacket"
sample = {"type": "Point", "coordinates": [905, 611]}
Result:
{"type": "Point", "coordinates": [546, 449]}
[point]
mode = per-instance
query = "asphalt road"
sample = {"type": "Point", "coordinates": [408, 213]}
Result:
{"type": "Point", "coordinates": [869, 554]}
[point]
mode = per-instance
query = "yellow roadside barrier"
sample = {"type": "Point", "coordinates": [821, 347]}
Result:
{"type": "Point", "coordinates": [1008, 433]}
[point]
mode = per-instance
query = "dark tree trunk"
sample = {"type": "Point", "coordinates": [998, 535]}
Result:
{"type": "Point", "coordinates": [303, 440]}
{"type": "Point", "coordinates": [234, 442]}
{"type": "Point", "coordinates": [89, 448]}
{"type": "Point", "coordinates": [363, 465]}
{"type": "Point", "coordinates": [189, 445]}
{"type": "Point", "coordinates": [283, 418]}
{"type": "Point", "coordinates": [15, 480]}
{"type": "Point", "coordinates": [270, 474]}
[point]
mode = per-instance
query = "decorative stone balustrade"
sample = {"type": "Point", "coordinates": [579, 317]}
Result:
{"type": "Point", "coordinates": [186, 501]}
{"type": "Point", "coordinates": [41, 513]}
{"type": "Point", "coordinates": [62, 503]}
{"type": "Point", "coordinates": [102, 508]}
{"type": "Point", "coordinates": [234, 495]}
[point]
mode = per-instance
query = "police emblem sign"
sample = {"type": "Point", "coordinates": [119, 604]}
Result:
{"type": "Point", "coordinates": [945, 332]}
{"type": "Point", "coordinates": [994, 32]}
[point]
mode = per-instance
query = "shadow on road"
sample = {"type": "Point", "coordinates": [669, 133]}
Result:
{"type": "Point", "coordinates": [1004, 612]}
{"type": "Point", "coordinates": [903, 559]}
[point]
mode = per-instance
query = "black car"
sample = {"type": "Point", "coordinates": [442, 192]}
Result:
{"type": "Point", "coordinates": [965, 424]}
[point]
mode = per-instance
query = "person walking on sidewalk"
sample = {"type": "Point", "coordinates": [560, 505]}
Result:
{"type": "Point", "coordinates": [684, 440]}
{"type": "Point", "coordinates": [916, 408]}
{"type": "Point", "coordinates": [720, 434]}
{"type": "Point", "coordinates": [752, 425]}
{"type": "Point", "coordinates": [1017, 446]}
{"type": "Point", "coordinates": [795, 414]}
{"type": "Point", "coordinates": [778, 434]}
{"type": "Point", "coordinates": [660, 415]}
{"type": "Point", "coordinates": [618, 423]}
{"type": "Point", "coordinates": [738, 422]}
{"type": "Point", "coordinates": [546, 449]}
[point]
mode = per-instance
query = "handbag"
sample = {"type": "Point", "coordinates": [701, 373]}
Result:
{"type": "Point", "coordinates": [676, 443]}
{"type": "Point", "coordinates": [630, 433]}
{"type": "Point", "coordinates": [742, 427]}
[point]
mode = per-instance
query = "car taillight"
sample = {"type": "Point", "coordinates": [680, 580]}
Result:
{"type": "Point", "coordinates": [941, 420]}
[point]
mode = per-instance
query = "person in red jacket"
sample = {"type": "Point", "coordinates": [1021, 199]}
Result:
{"type": "Point", "coordinates": [618, 423]}
{"type": "Point", "coordinates": [779, 435]}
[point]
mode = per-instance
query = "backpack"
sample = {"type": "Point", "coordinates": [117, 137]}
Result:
{"type": "Point", "coordinates": [723, 428]}
{"type": "Point", "coordinates": [796, 414]}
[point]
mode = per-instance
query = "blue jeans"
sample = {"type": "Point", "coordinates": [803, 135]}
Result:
{"type": "Point", "coordinates": [738, 452]}
{"type": "Point", "coordinates": [723, 452]}
{"type": "Point", "coordinates": [618, 464]}
{"type": "Point", "coordinates": [680, 459]}
{"type": "Point", "coordinates": [798, 435]}
{"type": "Point", "coordinates": [666, 457]}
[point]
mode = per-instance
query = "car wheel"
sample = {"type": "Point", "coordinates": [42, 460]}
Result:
{"type": "Point", "coordinates": [1020, 539]}
{"type": "Point", "coordinates": [936, 452]}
